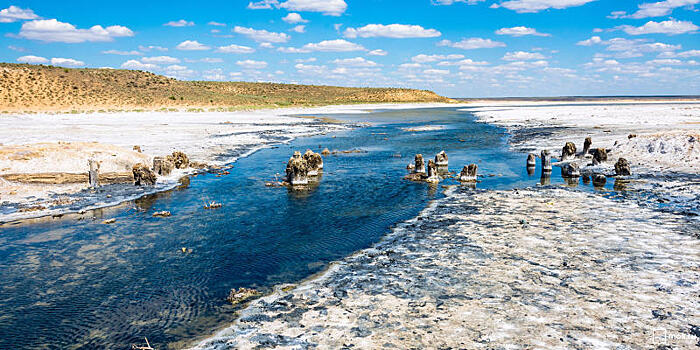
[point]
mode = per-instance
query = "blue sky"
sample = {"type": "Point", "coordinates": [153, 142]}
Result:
{"type": "Point", "coordinates": [459, 48]}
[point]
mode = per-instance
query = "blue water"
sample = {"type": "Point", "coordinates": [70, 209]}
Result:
{"type": "Point", "coordinates": [75, 282]}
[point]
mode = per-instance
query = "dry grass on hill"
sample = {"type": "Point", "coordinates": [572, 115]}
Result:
{"type": "Point", "coordinates": [45, 88]}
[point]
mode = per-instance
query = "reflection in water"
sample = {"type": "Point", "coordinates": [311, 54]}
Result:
{"type": "Point", "coordinates": [546, 178]}
{"type": "Point", "coordinates": [620, 184]}
{"type": "Point", "coordinates": [571, 181]}
{"type": "Point", "coordinates": [530, 170]}
{"type": "Point", "coordinates": [586, 179]}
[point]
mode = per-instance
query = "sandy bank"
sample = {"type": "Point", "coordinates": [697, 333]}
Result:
{"type": "Point", "coordinates": [543, 268]}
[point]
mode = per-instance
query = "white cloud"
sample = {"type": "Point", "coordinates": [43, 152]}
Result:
{"type": "Point", "coordinates": [655, 9]}
{"type": "Point", "coordinates": [355, 62]}
{"type": "Point", "coordinates": [520, 31]}
{"type": "Point", "coordinates": [589, 42]}
{"type": "Point", "coordinates": [67, 62]}
{"type": "Point", "coordinates": [670, 27]}
{"type": "Point", "coordinates": [263, 5]}
{"type": "Point", "coordinates": [51, 30]}
{"type": "Point", "coordinates": [235, 49]}
{"type": "Point", "coordinates": [327, 7]}
{"type": "Point", "coordinates": [410, 65]}
{"type": "Point", "coordinates": [666, 62]}
{"type": "Point", "coordinates": [464, 62]}
{"type": "Point", "coordinates": [137, 65]}
{"type": "Point", "coordinates": [152, 47]}
{"type": "Point", "coordinates": [338, 45]}
{"type": "Point", "coordinates": [262, 35]}
{"type": "Point", "coordinates": [684, 54]}
{"type": "Point", "coordinates": [400, 31]}
{"type": "Point", "coordinates": [436, 71]}
{"type": "Point", "coordinates": [378, 52]}
{"type": "Point", "coordinates": [192, 45]}
{"type": "Point", "coordinates": [180, 23]}
{"type": "Point", "coordinates": [299, 29]}
{"type": "Point", "coordinates": [305, 60]}
{"type": "Point", "coordinates": [529, 6]}
{"type": "Point", "coordinates": [14, 14]}
{"type": "Point", "coordinates": [217, 24]}
{"type": "Point", "coordinates": [32, 59]}
{"type": "Point", "coordinates": [292, 50]}
{"type": "Point", "coordinates": [522, 56]}
{"type": "Point", "coordinates": [422, 58]}
{"type": "Point", "coordinates": [205, 60]}
{"type": "Point", "coordinates": [121, 53]}
{"type": "Point", "coordinates": [472, 43]}
{"type": "Point", "coordinates": [294, 18]}
{"type": "Point", "coordinates": [628, 48]}
{"type": "Point", "coordinates": [175, 67]}
{"type": "Point", "coordinates": [250, 64]}
{"type": "Point", "coordinates": [450, 2]}
{"type": "Point", "coordinates": [160, 60]}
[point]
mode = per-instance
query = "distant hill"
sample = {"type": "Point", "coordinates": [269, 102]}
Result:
{"type": "Point", "coordinates": [46, 88]}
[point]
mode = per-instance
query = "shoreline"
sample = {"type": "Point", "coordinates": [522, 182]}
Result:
{"type": "Point", "coordinates": [242, 133]}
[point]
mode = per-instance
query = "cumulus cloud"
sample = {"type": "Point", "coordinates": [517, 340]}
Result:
{"type": "Point", "coordinates": [450, 2]}
{"type": "Point", "coordinates": [15, 14]}
{"type": "Point", "coordinates": [138, 65]}
{"type": "Point", "coordinates": [217, 24]}
{"type": "Point", "coordinates": [655, 9]}
{"type": "Point", "coordinates": [472, 43]}
{"type": "Point", "coordinates": [590, 42]}
{"type": "Point", "coordinates": [160, 60]}
{"type": "Point", "coordinates": [250, 64]}
{"type": "Point", "coordinates": [152, 48]}
{"type": "Point", "coordinates": [520, 31]}
{"type": "Point", "coordinates": [294, 18]}
{"type": "Point", "coordinates": [32, 59]}
{"type": "Point", "coordinates": [180, 23]}
{"type": "Point", "coordinates": [338, 45]}
{"type": "Point", "coordinates": [355, 62]}
{"type": "Point", "coordinates": [327, 7]}
{"type": "Point", "coordinates": [192, 45]}
{"type": "Point", "coordinates": [299, 29]}
{"type": "Point", "coordinates": [530, 6]}
{"type": "Point", "coordinates": [522, 56]}
{"type": "Point", "coordinates": [263, 5]}
{"type": "Point", "coordinates": [235, 49]}
{"type": "Point", "coordinates": [628, 48]}
{"type": "Point", "coordinates": [51, 30]}
{"type": "Point", "coordinates": [436, 71]}
{"type": "Point", "coordinates": [422, 58]}
{"type": "Point", "coordinates": [399, 31]}
{"type": "Point", "coordinates": [670, 27]}
{"type": "Point", "coordinates": [67, 62]}
{"type": "Point", "coordinates": [261, 35]}
{"type": "Point", "coordinates": [378, 52]}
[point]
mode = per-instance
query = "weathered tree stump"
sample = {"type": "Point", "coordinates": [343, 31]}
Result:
{"type": "Point", "coordinates": [143, 175]}
{"type": "Point", "coordinates": [179, 160]}
{"type": "Point", "coordinates": [162, 166]}
{"type": "Point", "coordinates": [469, 173]}
{"type": "Point", "coordinates": [441, 159]}
{"type": "Point", "coordinates": [326, 152]}
{"type": "Point", "coordinates": [546, 161]}
{"type": "Point", "coordinates": [297, 170]}
{"type": "Point", "coordinates": [570, 170]}
{"type": "Point", "coordinates": [93, 173]}
{"type": "Point", "coordinates": [419, 164]}
{"type": "Point", "coordinates": [531, 160]}
{"type": "Point", "coordinates": [137, 148]}
{"type": "Point", "coordinates": [314, 161]}
{"type": "Point", "coordinates": [622, 167]}
{"type": "Point", "coordinates": [432, 172]}
{"type": "Point", "coordinates": [600, 155]}
{"type": "Point", "coordinates": [568, 151]}
{"type": "Point", "coordinates": [587, 146]}
{"type": "Point", "coordinates": [599, 180]}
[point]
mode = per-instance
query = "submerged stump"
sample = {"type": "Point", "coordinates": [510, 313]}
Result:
{"type": "Point", "coordinates": [546, 161]}
{"type": "Point", "coordinates": [622, 167]}
{"type": "Point", "coordinates": [568, 151]}
{"type": "Point", "coordinates": [314, 162]}
{"type": "Point", "coordinates": [570, 170]}
{"type": "Point", "coordinates": [531, 160]}
{"type": "Point", "coordinates": [432, 172]}
{"type": "Point", "coordinates": [469, 173]}
{"type": "Point", "coordinates": [441, 159]}
{"type": "Point", "coordinates": [600, 155]}
{"type": "Point", "coordinates": [297, 170]}
{"type": "Point", "coordinates": [587, 146]}
{"type": "Point", "coordinates": [419, 166]}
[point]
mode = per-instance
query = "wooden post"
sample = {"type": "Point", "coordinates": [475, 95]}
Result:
{"type": "Point", "coordinates": [546, 161]}
{"type": "Point", "coordinates": [93, 173]}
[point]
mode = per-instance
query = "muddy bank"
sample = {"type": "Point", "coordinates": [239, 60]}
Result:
{"type": "Point", "coordinates": [544, 268]}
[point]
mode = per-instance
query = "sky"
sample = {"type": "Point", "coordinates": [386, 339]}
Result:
{"type": "Point", "coordinates": [457, 48]}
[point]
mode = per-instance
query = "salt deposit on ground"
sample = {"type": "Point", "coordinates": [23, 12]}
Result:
{"type": "Point", "coordinates": [548, 268]}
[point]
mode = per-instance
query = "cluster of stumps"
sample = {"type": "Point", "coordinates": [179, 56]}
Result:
{"type": "Point", "coordinates": [302, 169]}
{"type": "Point", "coordinates": [570, 159]}
{"type": "Point", "coordinates": [437, 167]}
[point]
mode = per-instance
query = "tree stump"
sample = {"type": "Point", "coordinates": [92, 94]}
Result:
{"type": "Point", "coordinates": [297, 170]}
{"type": "Point", "coordinates": [622, 167]}
{"type": "Point", "coordinates": [587, 145]}
{"type": "Point", "coordinates": [600, 155]}
{"type": "Point", "coordinates": [570, 170]}
{"type": "Point", "coordinates": [599, 180]}
{"type": "Point", "coordinates": [94, 173]}
{"type": "Point", "coordinates": [162, 166]}
{"type": "Point", "coordinates": [179, 159]}
{"type": "Point", "coordinates": [568, 151]}
{"type": "Point", "coordinates": [469, 173]}
{"type": "Point", "coordinates": [314, 162]}
{"type": "Point", "coordinates": [419, 164]}
{"type": "Point", "coordinates": [546, 161]}
{"type": "Point", "coordinates": [432, 172]}
{"type": "Point", "coordinates": [531, 160]}
{"type": "Point", "coordinates": [441, 159]}
{"type": "Point", "coordinates": [143, 175]}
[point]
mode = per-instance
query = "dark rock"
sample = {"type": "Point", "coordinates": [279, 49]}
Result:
{"type": "Point", "coordinates": [631, 136]}
{"type": "Point", "coordinates": [622, 167]}
{"type": "Point", "coordinates": [599, 180]}
{"type": "Point", "coordinates": [570, 170]}
{"type": "Point", "coordinates": [143, 175]}
{"type": "Point", "coordinates": [241, 295]}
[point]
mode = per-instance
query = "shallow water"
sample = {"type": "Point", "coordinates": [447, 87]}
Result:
{"type": "Point", "coordinates": [74, 282]}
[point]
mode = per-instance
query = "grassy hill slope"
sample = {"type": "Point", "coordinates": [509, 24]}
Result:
{"type": "Point", "coordinates": [46, 88]}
